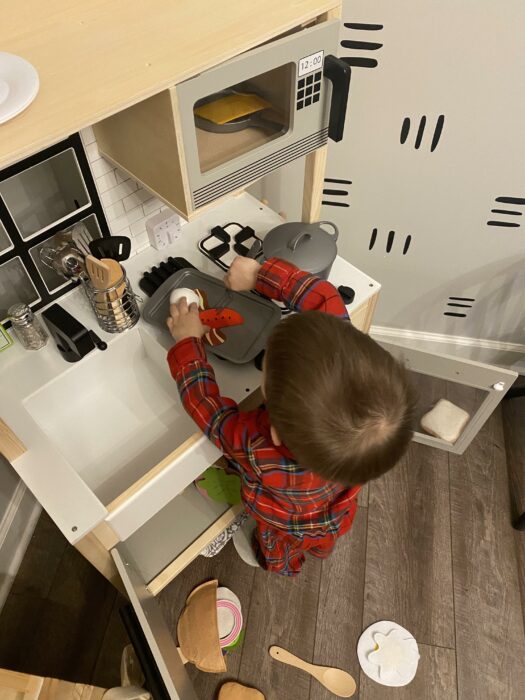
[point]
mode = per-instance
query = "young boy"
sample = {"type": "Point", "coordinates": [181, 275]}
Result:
{"type": "Point", "coordinates": [338, 413]}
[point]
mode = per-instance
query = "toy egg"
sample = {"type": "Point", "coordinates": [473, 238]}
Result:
{"type": "Point", "coordinates": [180, 292]}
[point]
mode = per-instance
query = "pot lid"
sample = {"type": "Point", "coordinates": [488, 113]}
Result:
{"type": "Point", "coordinates": [308, 246]}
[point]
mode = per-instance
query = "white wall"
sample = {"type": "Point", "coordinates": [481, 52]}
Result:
{"type": "Point", "coordinates": [465, 61]}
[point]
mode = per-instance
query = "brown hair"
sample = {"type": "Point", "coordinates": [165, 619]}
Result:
{"type": "Point", "coordinates": [338, 401]}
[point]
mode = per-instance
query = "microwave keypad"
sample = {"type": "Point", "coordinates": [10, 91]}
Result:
{"type": "Point", "coordinates": [309, 89]}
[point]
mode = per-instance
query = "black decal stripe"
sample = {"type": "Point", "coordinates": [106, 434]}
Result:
{"type": "Point", "coordinates": [360, 45]}
{"type": "Point", "coordinates": [437, 132]}
{"type": "Point", "coordinates": [510, 200]}
{"type": "Point", "coordinates": [420, 131]}
{"type": "Point", "coordinates": [364, 27]}
{"type": "Point", "coordinates": [505, 224]}
{"type": "Point", "coordinates": [507, 211]}
{"type": "Point", "coordinates": [359, 62]}
{"type": "Point", "coordinates": [405, 128]}
{"type": "Point", "coordinates": [336, 193]}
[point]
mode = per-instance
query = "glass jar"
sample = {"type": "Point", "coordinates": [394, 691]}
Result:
{"type": "Point", "coordinates": [26, 327]}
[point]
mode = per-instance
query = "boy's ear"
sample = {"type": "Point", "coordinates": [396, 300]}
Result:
{"type": "Point", "coordinates": [275, 436]}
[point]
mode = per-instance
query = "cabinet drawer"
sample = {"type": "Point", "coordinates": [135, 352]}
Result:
{"type": "Point", "coordinates": [152, 557]}
{"type": "Point", "coordinates": [169, 541]}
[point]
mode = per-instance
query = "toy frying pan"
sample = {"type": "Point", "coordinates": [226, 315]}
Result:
{"type": "Point", "coordinates": [252, 120]}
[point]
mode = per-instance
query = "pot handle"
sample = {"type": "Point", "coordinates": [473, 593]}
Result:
{"type": "Point", "coordinates": [294, 242]}
{"type": "Point", "coordinates": [335, 234]}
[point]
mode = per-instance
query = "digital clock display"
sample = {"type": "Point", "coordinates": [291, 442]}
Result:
{"type": "Point", "coordinates": [312, 62]}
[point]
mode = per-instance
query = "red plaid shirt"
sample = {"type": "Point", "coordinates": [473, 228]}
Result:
{"type": "Point", "coordinates": [275, 489]}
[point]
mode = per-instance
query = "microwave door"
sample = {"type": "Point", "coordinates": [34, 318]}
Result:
{"type": "Point", "coordinates": [257, 112]}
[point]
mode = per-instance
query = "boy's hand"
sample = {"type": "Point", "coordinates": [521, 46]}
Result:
{"type": "Point", "coordinates": [184, 321]}
{"type": "Point", "coordinates": [242, 275]}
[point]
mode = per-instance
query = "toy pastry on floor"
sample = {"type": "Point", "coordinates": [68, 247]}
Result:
{"type": "Point", "coordinates": [338, 412]}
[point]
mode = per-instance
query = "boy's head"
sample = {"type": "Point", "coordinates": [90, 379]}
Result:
{"type": "Point", "coordinates": [336, 399]}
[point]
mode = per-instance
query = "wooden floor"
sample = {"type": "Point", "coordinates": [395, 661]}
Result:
{"type": "Point", "coordinates": [61, 617]}
{"type": "Point", "coordinates": [431, 548]}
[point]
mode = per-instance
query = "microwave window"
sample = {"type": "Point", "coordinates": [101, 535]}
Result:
{"type": "Point", "coordinates": [239, 118]}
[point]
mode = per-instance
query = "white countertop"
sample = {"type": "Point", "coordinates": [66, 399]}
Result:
{"type": "Point", "coordinates": [44, 469]}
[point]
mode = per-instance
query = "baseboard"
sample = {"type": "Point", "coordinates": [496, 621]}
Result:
{"type": "Point", "coordinates": [490, 351]}
{"type": "Point", "coordinates": [16, 529]}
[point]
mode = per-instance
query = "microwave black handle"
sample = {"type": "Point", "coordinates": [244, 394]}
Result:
{"type": "Point", "coordinates": [338, 73]}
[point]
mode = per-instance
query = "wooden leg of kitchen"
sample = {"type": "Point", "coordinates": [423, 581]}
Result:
{"type": "Point", "coordinates": [313, 184]}
{"type": "Point", "coordinates": [95, 548]}
{"type": "Point", "coordinates": [370, 309]}
{"type": "Point", "coordinates": [10, 446]}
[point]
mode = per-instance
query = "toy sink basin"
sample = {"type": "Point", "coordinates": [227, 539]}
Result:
{"type": "Point", "coordinates": [243, 343]}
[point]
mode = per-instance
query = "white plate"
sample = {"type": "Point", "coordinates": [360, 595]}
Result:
{"type": "Point", "coordinates": [225, 617]}
{"type": "Point", "coordinates": [367, 644]}
{"type": "Point", "coordinates": [18, 85]}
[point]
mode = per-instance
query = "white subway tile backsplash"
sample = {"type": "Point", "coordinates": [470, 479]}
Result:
{"type": "Point", "coordinates": [119, 192]}
{"type": "Point", "coordinates": [101, 167]}
{"type": "Point", "coordinates": [138, 227]}
{"type": "Point", "coordinates": [114, 211]}
{"type": "Point", "coordinates": [139, 243]}
{"type": "Point", "coordinates": [121, 176]}
{"type": "Point", "coordinates": [92, 152]}
{"type": "Point", "coordinates": [136, 198]}
{"type": "Point", "coordinates": [106, 182]}
{"type": "Point", "coordinates": [128, 218]}
{"type": "Point", "coordinates": [152, 206]}
{"type": "Point", "coordinates": [87, 135]}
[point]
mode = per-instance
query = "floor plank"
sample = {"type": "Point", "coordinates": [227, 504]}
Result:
{"type": "Point", "coordinates": [408, 564]}
{"type": "Point", "coordinates": [362, 496]}
{"type": "Point", "coordinates": [17, 631]}
{"type": "Point", "coordinates": [435, 679]}
{"type": "Point", "coordinates": [513, 425]}
{"type": "Point", "coordinates": [489, 622]}
{"type": "Point", "coordinates": [230, 571]}
{"type": "Point", "coordinates": [340, 611]}
{"type": "Point", "coordinates": [71, 626]}
{"type": "Point", "coordinates": [41, 561]}
{"type": "Point", "coordinates": [106, 673]}
{"type": "Point", "coordinates": [283, 612]}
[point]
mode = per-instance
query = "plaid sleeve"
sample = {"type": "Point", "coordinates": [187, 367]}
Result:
{"type": "Point", "coordinates": [301, 291]}
{"type": "Point", "coordinates": [218, 417]}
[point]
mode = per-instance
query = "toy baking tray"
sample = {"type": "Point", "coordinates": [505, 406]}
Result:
{"type": "Point", "coordinates": [243, 343]}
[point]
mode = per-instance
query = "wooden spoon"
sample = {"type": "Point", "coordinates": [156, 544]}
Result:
{"type": "Point", "coordinates": [335, 680]}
